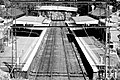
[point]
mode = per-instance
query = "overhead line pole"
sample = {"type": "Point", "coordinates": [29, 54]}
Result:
{"type": "Point", "coordinates": [107, 43]}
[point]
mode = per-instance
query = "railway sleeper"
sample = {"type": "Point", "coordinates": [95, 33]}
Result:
{"type": "Point", "coordinates": [56, 72]}
{"type": "Point", "coordinates": [60, 75]}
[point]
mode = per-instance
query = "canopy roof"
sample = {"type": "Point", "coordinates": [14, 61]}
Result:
{"type": "Point", "coordinates": [29, 20]}
{"type": "Point", "coordinates": [85, 20]}
{"type": "Point", "coordinates": [63, 8]}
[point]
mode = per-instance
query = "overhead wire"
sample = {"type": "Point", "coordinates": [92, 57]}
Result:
{"type": "Point", "coordinates": [88, 37]}
{"type": "Point", "coordinates": [76, 55]}
{"type": "Point", "coordinates": [93, 43]}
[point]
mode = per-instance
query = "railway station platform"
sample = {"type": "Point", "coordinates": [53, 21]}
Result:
{"type": "Point", "coordinates": [94, 52]}
{"type": "Point", "coordinates": [26, 49]}
{"type": "Point", "coordinates": [34, 51]}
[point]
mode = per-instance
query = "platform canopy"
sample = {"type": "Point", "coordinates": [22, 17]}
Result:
{"type": "Point", "coordinates": [85, 20]}
{"type": "Point", "coordinates": [29, 20]}
{"type": "Point", "coordinates": [62, 8]}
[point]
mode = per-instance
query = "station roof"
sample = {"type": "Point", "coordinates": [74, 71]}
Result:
{"type": "Point", "coordinates": [29, 20]}
{"type": "Point", "coordinates": [63, 8]}
{"type": "Point", "coordinates": [85, 20]}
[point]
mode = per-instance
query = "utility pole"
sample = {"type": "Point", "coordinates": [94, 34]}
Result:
{"type": "Point", "coordinates": [14, 45]}
{"type": "Point", "coordinates": [107, 43]}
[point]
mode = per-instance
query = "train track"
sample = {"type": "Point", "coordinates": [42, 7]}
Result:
{"type": "Point", "coordinates": [47, 56]}
{"type": "Point", "coordinates": [58, 59]}
{"type": "Point", "coordinates": [68, 47]}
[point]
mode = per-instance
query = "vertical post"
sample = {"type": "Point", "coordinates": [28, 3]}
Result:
{"type": "Point", "coordinates": [15, 44]}
{"type": "Point", "coordinates": [16, 48]}
{"type": "Point", "coordinates": [107, 51]}
{"type": "Point", "coordinates": [18, 63]}
{"type": "Point", "coordinates": [107, 55]}
{"type": "Point", "coordinates": [12, 46]}
{"type": "Point", "coordinates": [106, 65]}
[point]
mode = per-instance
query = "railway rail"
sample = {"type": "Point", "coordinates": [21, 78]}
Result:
{"type": "Point", "coordinates": [69, 47]}
{"type": "Point", "coordinates": [58, 60]}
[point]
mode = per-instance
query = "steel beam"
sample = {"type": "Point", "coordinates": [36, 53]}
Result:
{"type": "Point", "coordinates": [68, 2]}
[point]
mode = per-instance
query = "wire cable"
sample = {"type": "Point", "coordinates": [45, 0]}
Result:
{"type": "Point", "coordinates": [93, 43]}
{"type": "Point", "coordinates": [88, 37]}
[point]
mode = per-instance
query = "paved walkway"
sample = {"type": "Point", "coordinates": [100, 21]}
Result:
{"type": "Point", "coordinates": [24, 46]}
{"type": "Point", "coordinates": [97, 51]}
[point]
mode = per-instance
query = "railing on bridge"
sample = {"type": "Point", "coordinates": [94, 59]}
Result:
{"type": "Point", "coordinates": [55, 3]}
{"type": "Point", "coordinates": [51, 1]}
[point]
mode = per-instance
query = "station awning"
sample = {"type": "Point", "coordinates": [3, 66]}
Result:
{"type": "Point", "coordinates": [85, 20]}
{"type": "Point", "coordinates": [33, 20]}
{"type": "Point", "coordinates": [63, 8]}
